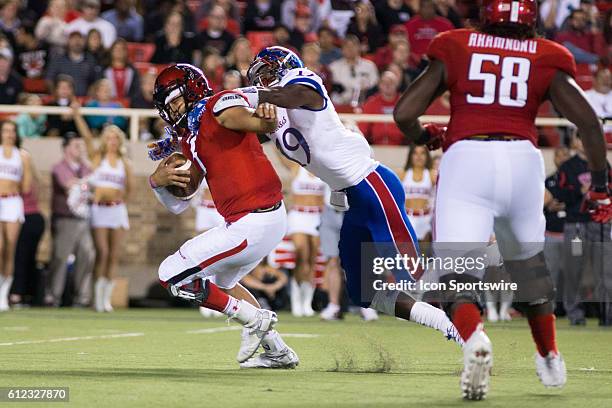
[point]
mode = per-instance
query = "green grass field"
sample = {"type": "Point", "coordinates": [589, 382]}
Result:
{"type": "Point", "coordinates": [175, 358]}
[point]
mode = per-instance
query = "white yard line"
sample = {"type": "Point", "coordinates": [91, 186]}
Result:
{"type": "Point", "coordinates": [236, 328]}
{"type": "Point", "coordinates": [62, 339]}
{"type": "Point", "coordinates": [215, 330]}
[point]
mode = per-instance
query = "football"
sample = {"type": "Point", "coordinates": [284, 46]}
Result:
{"type": "Point", "coordinates": [195, 177]}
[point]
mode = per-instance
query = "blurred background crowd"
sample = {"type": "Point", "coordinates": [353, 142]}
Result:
{"type": "Point", "coordinates": [102, 53]}
{"type": "Point", "coordinates": [107, 53]}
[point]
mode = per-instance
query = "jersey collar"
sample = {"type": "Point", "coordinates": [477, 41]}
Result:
{"type": "Point", "coordinates": [194, 117]}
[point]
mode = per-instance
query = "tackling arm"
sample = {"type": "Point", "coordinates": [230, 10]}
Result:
{"type": "Point", "coordinates": [292, 97]}
{"type": "Point", "coordinates": [417, 98]}
{"type": "Point", "coordinates": [244, 120]}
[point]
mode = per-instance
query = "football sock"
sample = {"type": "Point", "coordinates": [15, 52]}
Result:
{"type": "Point", "coordinates": [430, 316]}
{"type": "Point", "coordinates": [218, 300]}
{"type": "Point", "coordinates": [273, 342]}
{"type": "Point", "coordinates": [466, 318]}
{"type": "Point", "coordinates": [544, 334]}
{"type": "Point", "coordinates": [296, 299]}
{"type": "Point", "coordinates": [307, 292]}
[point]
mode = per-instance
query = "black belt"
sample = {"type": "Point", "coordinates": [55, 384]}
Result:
{"type": "Point", "coordinates": [494, 138]}
{"type": "Point", "coordinates": [268, 209]}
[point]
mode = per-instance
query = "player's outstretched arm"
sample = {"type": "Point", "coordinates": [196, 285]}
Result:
{"type": "Point", "coordinates": [292, 97]}
{"type": "Point", "coordinates": [570, 101]}
{"type": "Point", "coordinates": [417, 98]}
{"type": "Point", "coordinates": [239, 118]}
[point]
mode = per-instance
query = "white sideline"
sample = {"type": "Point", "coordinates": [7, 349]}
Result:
{"type": "Point", "coordinates": [214, 330]}
{"type": "Point", "coordinates": [62, 339]}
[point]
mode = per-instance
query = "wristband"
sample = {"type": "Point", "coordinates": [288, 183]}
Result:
{"type": "Point", "coordinates": [152, 183]}
{"type": "Point", "coordinates": [599, 178]}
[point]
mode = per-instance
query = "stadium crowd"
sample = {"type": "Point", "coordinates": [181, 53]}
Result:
{"type": "Point", "coordinates": [107, 54]}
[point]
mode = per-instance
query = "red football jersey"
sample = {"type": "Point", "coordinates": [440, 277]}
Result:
{"type": "Point", "coordinates": [497, 84]}
{"type": "Point", "coordinates": [240, 177]}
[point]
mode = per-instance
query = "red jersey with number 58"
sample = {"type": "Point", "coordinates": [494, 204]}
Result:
{"type": "Point", "coordinates": [497, 84]}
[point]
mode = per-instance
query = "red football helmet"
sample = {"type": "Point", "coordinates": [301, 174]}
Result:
{"type": "Point", "coordinates": [180, 80]}
{"type": "Point", "coordinates": [523, 12]}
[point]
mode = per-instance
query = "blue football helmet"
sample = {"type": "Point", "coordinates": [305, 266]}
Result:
{"type": "Point", "coordinates": [271, 64]}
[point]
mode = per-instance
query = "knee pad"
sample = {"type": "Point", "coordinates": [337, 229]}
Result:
{"type": "Point", "coordinates": [535, 286]}
{"type": "Point", "coordinates": [450, 297]}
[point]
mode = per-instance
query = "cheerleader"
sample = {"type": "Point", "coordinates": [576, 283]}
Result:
{"type": "Point", "coordinates": [418, 181]}
{"type": "Point", "coordinates": [15, 179]}
{"type": "Point", "coordinates": [111, 183]}
{"type": "Point", "coordinates": [303, 220]}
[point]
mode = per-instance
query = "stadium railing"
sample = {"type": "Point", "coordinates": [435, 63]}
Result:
{"type": "Point", "coordinates": [134, 116]}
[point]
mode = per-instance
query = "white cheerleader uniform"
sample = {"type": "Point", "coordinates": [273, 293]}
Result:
{"type": "Point", "coordinates": [111, 214]}
{"type": "Point", "coordinates": [207, 216]}
{"type": "Point", "coordinates": [303, 219]}
{"type": "Point", "coordinates": [420, 219]}
{"type": "Point", "coordinates": [11, 205]}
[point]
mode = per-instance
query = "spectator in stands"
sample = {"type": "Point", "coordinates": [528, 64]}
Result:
{"type": "Point", "coordinates": [327, 41]}
{"type": "Point", "coordinates": [365, 27]}
{"type": "Point", "coordinates": [126, 20]}
{"type": "Point", "coordinates": [587, 45]}
{"type": "Point", "coordinates": [383, 102]}
{"type": "Point", "coordinates": [71, 234]}
{"type": "Point", "coordinates": [123, 77]}
{"type": "Point", "coordinates": [27, 274]}
{"type": "Point", "coordinates": [216, 34]}
{"type": "Point", "coordinates": [51, 27]}
{"type": "Point", "coordinates": [311, 56]}
{"type": "Point", "coordinates": [401, 57]}
{"type": "Point", "coordinates": [15, 178]}
{"type": "Point", "coordinates": [32, 53]}
{"type": "Point", "coordinates": [422, 28]}
{"type": "Point", "coordinates": [353, 76]}
{"type": "Point", "coordinates": [63, 94]}
{"type": "Point", "coordinates": [384, 55]}
{"type": "Point", "coordinates": [261, 15]}
{"type": "Point", "coordinates": [240, 56]}
{"type": "Point", "coordinates": [600, 96]}
{"type": "Point", "coordinates": [90, 19]}
{"type": "Point", "coordinates": [81, 67]}
{"type": "Point", "coordinates": [232, 11]}
{"type": "Point", "coordinates": [95, 48]}
{"type": "Point", "coordinates": [102, 97]}
{"type": "Point", "coordinates": [291, 8]}
{"type": "Point", "coordinates": [232, 79]}
{"type": "Point", "coordinates": [31, 125]}
{"type": "Point", "coordinates": [150, 128]}
{"type": "Point", "coordinates": [390, 13]}
{"type": "Point", "coordinates": [212, 66]}
{"type": "Point", "coordinates": [9, 18]}
{"type": "Point", "coordinates": [11, 83]}
{"type": "Point", "coordinates": [340, 15]}
{"type": "Point", "coordinates": [553, 13]}
{"type": "Point", "coordinates": [580, 232]}
{"type": "Point", "coordinates": [268, 285]}
{"type": "Point", "coordinates": [554, 211]}
{"type": "Point", "coordinates": [301, 28]}
{"type": "Point", "coordinates": [173, 44]}
{"type": "Point", "coordinates": [446, 8]}
{"type": "Point", "coordinates": [282, 37]}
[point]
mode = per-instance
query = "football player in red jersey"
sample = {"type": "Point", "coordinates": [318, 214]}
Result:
{"type": "Point", "coordinates": [219, 137]}
{"type": "Point", "coordinates": [492, 174]}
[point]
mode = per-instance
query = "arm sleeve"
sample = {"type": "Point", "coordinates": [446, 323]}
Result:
{"type": "Point", "coordinates": [440, 47]}
{"type": "Point", "coordinates": [173, 204]}
{"type": "Point", "coordinates": [228, 100]}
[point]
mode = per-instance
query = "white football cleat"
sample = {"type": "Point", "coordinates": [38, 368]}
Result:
{"type": "Point", "coordinates": [477, 364]}
{"type": "Point", "coordinates": [551, 369]}
{"type": "Point", "coordinates": [368, 314]}
{"type": "Point", "coordinates": [258, 322]}
{"type": "Point", "coordinates": [492, 315]}
{"type": "Point", "coordinates": [286, 359]}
